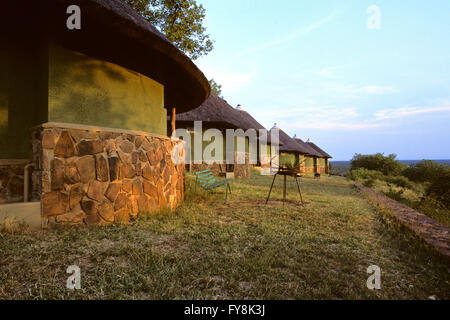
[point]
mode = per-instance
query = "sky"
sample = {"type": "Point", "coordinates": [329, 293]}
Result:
{"type": "Point", "coordinates": [351, 77]}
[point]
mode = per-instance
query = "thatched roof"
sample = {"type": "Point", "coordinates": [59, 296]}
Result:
{"type": "Point", "coordinates": [217, 113]}
{"type": "Point", "coordinates": [290, 145]}
{"type": "Point", "coordinates": [319, 150]}
{"type": "Point", "coordinates": [111, 30]}
{"type": "Point", "coordinates": [311, 151]}
{"type": "Point", "coordinates": [214, 113]}
{"type": "Point", "coordinates": [248, 122]}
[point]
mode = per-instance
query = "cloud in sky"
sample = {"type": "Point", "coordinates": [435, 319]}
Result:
{"type": "Point", "coordinates": [375, 90]}
{"type": "Point", "coordinates": [328, 72]}
{"type": "Point", "coordinates": [335, 118]}
{"type": "Point", "coordinates": [408, 111]}
{"type": "Point", "coordinates": [352, 91]}
{"type": "Point", "coordinates": [292, 36]}
{"type": "Point", "coordinates": [230, 81]}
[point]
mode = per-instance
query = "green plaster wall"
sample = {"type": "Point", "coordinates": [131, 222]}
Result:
{"type": "Point", "coordinates": [23, 83]}
{"type": "Point", "coordinates": [4, 84]}
{"type": "Point", "coordinates": [207, 143]}
{"type": "Point", "coordinates": [45, 83]}
{"type": "Point", "coordinates": [88, 91]}
{"type": "Point", "coordinates": [309, 162]}
{"type": "Point", "coordinates": [321, 162]}
{"type": "Point", "coordinates": [291, 160]}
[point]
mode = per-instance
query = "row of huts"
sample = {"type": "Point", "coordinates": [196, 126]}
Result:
{"type": "Point", "coordinates": [306, 157]}
{"type": "Point", "coordinates": [86, 115]}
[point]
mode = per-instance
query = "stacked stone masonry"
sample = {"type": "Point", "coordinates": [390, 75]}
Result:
{"type": "Point", "coordinates": [430, 230]}
{"type": "Point", "coordinates": [98, 176]}
{"type": "Point", "coordinates": [240, 170]}
{"type": "Point", "coordinates": [11, 181]}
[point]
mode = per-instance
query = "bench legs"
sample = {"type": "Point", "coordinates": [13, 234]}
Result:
{"type": "Point", "coordinates": [270, 191]}
{"type": "Point", "coordinates": [227, 187]}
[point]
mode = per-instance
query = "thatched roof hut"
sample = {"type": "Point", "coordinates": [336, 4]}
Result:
{"type": "Point", "coordinates": [111, 30]}
{"type": "Point", "coordinates": [116, 71]}
{"type": "Point", "coordinates": [214, 113]}
{"type": "Point", "coordinates": [217, 113]}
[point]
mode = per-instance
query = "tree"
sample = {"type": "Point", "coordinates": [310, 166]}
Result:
{"type": "Point", "coordinates": [180, 20]}
{"type": "Point", "coordinates": [440, 188]}
{"type": "Point", "coordinates": [425, 170]}
{"type": "Point", "coordinates": [387, 165]}
{"type": "Point", "coordinates": [215, 87]}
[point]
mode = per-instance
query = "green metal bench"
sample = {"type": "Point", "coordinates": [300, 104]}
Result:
{"type": "Point", "coordinates": [208, 181]}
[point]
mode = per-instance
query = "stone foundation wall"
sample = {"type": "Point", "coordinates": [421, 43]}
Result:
{"type": "Point", "coordinates": [302, 167]}
{"type": "Point", "coordinates": [216, 168]}
{"type": "Point", "coordinates": [11, 180]}
{"type": "Point", "coordinates": [310, 170]}
{"type": "Point", "coordinates": [431, 231]}
{"type": "Point", "coordinates": [97, 176]}
{"type": "Point", "coordinates": [240, 170]}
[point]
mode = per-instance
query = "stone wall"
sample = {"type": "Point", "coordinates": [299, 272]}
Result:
{"type": "Point", "coordinates": [302, 167]}
{"type": "Point", "coordinates": [309, 170]}
{"type": "Point", "coordinates": [240, 170]}
{"type": "Point", "coordinates": [216, 168]}
{"type": "Point", "coordinates": [11, 180]}
{"type": "Point", "coordinates": [97, 175]}
{"type": "Point", "coordinates": [431, 231]}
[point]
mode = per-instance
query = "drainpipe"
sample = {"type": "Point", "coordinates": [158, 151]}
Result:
{"type": "Point", "coordinates": [26, 181]}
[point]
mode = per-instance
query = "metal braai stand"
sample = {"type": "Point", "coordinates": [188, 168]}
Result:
{"type": "Point", "coordinates": [285, 173]}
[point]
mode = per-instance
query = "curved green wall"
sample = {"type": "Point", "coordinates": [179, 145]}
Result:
{"type": "Point", "coordinates": [46, 83]}
{"type": "Point", "coordinates": [85, 90]}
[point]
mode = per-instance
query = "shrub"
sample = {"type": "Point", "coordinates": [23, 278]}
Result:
{"type": "Point", "coordinates": [425, 170]}
{"type": "Point", "coordinates": [400, 181]}
{"type": "Point", "coordinates": [363, 174]}
{"type": "Point", "coordinates": [369, 182]}
{"type": "Point", "coordinates": [439, 189]}
{"type": "Point", "coordinates": [395, 194]}
{"type": "Point", "coordinates": [378, 162]}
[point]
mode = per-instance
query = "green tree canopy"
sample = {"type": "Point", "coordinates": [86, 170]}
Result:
{"type": "Point", "coordinates": [180, 20]}
{"type": "Point", "coordinates": [387, 165]}
{"type": "Point", "coordinates": [425, 170]}
{"type": "Point", "coordinates": [215, 87]}
{"type": "Point", "coordinates": [440, 188]}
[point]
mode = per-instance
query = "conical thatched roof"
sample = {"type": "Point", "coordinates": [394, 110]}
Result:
{"type": "Point", "coordinates": [311, 151]}
{"type": "Point", "coordinates": [214, 113]}
{"type": "Point", "coordinates": [112, 31]}
{"type": "Point", "coordinates": [217, 113]}
{"type": "Point", "coordinates": [319, 150]}
{"type": "Point", "coordinates": [290, 145]}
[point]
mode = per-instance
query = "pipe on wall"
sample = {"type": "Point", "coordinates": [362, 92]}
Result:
{"type": "Point", "coordinates": [26, 181]}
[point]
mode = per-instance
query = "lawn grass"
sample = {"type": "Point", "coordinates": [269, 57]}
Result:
{"type": "Point", "coordinates": [241, 250]}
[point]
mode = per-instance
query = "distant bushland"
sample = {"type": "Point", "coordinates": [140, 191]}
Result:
{"type": "Point", "coordinates": [423, 185]}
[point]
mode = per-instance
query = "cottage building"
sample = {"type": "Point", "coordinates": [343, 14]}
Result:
{"type": "Point", "coordinates": [267, 150]}
{"type": "Point", "coordinates": [324, 163]}
{"type": "Point", "coordinates": [311, 160]}
{"type": "Point", "coordinates": [216, 113]}
{"type": "Point", "coordinates": [86, 110]}
{"type": "Point", "coordinates": [292, 153]}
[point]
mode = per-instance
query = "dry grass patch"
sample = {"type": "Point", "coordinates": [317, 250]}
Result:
{"type": "Point", "coordinates": [242, 250]}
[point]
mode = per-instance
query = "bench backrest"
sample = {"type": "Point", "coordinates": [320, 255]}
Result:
{"type": "Point", "coordinates": [205, 177]}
